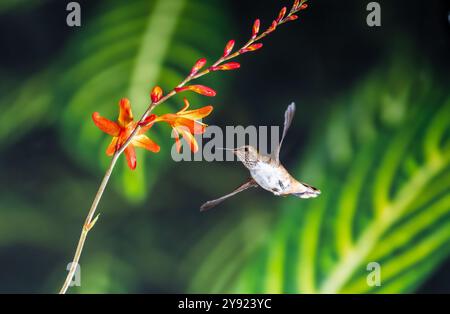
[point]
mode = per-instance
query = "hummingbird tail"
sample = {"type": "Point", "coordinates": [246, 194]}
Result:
{"type": "Point", "coordinates": [310, 192]}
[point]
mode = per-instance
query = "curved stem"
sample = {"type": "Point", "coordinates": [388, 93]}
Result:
{"type": "Point", "coordinates": [88, 224]}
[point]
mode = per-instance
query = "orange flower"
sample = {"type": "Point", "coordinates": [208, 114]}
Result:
{"type": "Point", "coordinates": [122, 129]}
{"type": "Point", "coordinates": [185, 122]}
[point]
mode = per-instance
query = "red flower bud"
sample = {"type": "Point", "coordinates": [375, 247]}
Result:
{"type": "Point", "coordinates": [255, 29]}
{"type": "Point", "coordinates": [228, 48]}
{"type": "Point", "coordinates": [304, 6]}
{"type": "Point", "coordinates": [272, 27]}
{"type": "Point", "coordinates": [251, 48]}
{"type": "Point", "coordinates": [199, 89]}
{"type": "Point", "coordinates": [281, 14]}
{"type": "Point", "coordinates": [292, 18]}
{"type": "Point", "coordinates": [226, 67]}
{"type": "Point", "coordinates": [156, 94]}
{"type": "Point", "coordinates": [197, 66]}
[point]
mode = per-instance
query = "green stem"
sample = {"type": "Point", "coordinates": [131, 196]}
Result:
{"type": "Point", "coordinates": [88, 224]}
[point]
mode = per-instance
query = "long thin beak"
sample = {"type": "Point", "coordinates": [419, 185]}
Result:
{"type": "Point", "coordinates": [230, 149]}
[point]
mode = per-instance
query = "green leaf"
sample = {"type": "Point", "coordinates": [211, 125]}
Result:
{"type": "Point", "coordinates": [25, 108]}
{"type": "Point", "coordinates": [383, 165]}
{"type": "Point", "coordinates": [9, 5]}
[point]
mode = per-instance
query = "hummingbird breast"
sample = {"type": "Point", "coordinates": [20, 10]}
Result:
{"type": "Point", "coordinates": [273, 178]}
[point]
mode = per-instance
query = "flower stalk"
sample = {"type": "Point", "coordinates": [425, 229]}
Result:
{"type": "Point", "coordinates": [127, 133]}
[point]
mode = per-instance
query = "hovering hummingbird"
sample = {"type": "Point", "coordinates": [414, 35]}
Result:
{"type": "Point", "coordinates": [268, 172]}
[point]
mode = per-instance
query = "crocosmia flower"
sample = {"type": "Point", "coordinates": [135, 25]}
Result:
{"type": "Point", "coordinates": [121, 130]}
{"type": "Point", "coordinates": [185, 122]}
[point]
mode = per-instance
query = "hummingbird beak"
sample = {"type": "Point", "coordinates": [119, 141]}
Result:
{"type": "Point", "coordinates": [229, 149]}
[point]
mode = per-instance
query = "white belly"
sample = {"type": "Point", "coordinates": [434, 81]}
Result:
{"type": "Point", "coordinates": [273, 179]}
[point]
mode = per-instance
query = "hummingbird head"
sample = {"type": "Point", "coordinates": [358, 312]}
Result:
{"type": "Point", "coordinates": [248, 155]}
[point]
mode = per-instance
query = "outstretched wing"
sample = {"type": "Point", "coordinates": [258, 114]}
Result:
{"type": "Point", "coordinates": [210, 204]}
{"type": "Point", "coordinates": [288, 117]}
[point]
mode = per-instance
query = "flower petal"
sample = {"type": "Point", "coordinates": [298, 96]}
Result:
{"type": "Point", "coordinates": [144, 142]}
{"type": "Point", "coordinates": [176, 135]}
{"type": "Point", "coordinates": [168, 117]}
{"type": "Point", "coordinates": [186, 105]}
{"type": "Point", "coordinates": [189, 138]}
{"type": "Point", "coordinates": [193, 126]}
{"type": "Point", "coordinates": [106, 125]}
{"type": "Point", "coordinates": [197, 113]}
{"type": "Point", "coordinates": [125, 114]}
{"type": "Point", "coordinates": [147, 124]}
{"type": "Point", "coordinates": [112, 147]}
{"type": "Point", "coordinates": [130, 154]}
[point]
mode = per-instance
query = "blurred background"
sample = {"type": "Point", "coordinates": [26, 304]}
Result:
{"type": "Point", "coordinates": [371, 131]}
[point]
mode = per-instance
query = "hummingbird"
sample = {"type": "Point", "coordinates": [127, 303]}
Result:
{"type": "Point", "coordinates": [267, 172]}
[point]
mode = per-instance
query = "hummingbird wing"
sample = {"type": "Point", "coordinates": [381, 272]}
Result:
{"type": "Point", "coordinates": [288, 117]}
{"type": "Point", "coordinates": [210, 204]}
